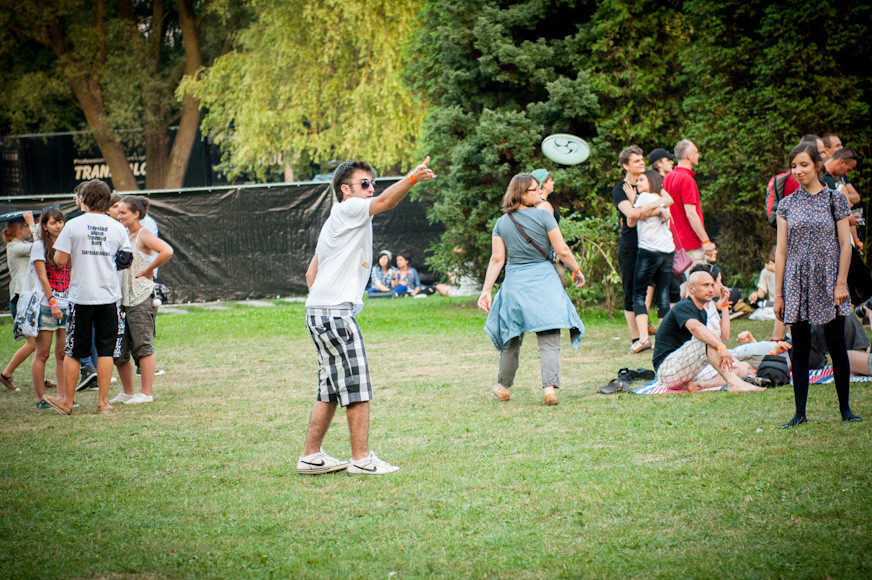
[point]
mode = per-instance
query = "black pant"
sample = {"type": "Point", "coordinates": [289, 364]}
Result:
{"type": "Point", "coordinates": [834, 333]}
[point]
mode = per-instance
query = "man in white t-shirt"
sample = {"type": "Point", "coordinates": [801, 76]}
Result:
{"type": "Point", "coordinates": [337, 279]}
{"type": "Point", "coordinates": [97, 247]}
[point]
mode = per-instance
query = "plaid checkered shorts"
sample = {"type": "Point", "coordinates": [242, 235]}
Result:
{"type": "Point", "coordinates": [683, 364]}
{"type": "Point", "coordinates": [343, 375]}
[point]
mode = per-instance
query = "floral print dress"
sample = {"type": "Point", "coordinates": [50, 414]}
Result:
{"type": "Point", "coordinates": [812, 264]}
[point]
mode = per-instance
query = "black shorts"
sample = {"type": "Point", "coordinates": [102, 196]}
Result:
{"type": "Point", "coordinates": [100, 322]}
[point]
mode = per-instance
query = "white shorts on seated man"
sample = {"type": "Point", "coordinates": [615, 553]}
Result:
{"type": "Point", "coordinates": [684, 346]}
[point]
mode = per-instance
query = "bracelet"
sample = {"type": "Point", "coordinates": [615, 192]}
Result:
{"type": "Point", "coordinates": [722, 347]}
{"type": "Point", "coordinates": [706, 241]}
{"type": "Point", "coordinates": [577, 271]}
{"type": "Point", "coordinates": [412, 179]}
{"type": "Point", "coordinates": [726, 304]}
{"type": "Point", "coordinates": [52, 301]}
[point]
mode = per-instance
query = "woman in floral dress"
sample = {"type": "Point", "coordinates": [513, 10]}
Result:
{"type": "Point", "coordinates": [811, 272]}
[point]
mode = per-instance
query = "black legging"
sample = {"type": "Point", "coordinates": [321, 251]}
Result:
{"type": "Point", "coordinates": [834, 333]}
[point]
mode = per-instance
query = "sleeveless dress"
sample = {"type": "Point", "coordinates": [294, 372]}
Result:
{"type": "Point", "coordinates": [136, 290]}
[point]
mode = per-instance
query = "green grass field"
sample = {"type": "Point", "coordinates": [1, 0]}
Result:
{"type": "Point", "coordinates": [202, 482]}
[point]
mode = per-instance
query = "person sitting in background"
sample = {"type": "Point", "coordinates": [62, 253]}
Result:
{"type": "Point", "coordinates": [407, 282]}
{"type": "Point", "coordinates": [685, 345]}
{"type": "Point", "coordinates": [382, 278]}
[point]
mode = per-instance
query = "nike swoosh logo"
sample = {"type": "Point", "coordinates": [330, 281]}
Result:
{"type": "Point", "coordinates": [373, 469]}
{"type": "Point", "coordinates": [319, 464]}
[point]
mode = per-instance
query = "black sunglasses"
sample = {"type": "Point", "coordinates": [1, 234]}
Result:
{"type": "Point", "coordinates": [365, 183]}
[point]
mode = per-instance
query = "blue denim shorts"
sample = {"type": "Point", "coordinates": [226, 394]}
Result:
{"type": "Point", "coordinates": [49, 322]}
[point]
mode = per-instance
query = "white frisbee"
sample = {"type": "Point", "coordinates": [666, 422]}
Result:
{"type": "Point", "coordinates": [565, 149]}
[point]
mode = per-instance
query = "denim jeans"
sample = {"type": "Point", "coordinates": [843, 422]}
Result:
{"type": "Point", "coordinates": [651, 267]}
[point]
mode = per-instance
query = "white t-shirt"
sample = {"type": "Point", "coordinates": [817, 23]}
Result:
{"type": "Point", "coordinates": [654, 234]}
{"type": "Point", "coordinates": [58, 278]}
{"type": "Point", "coordinates": [92, 241]}
{"type": "Point", "coordinates": [344, 253]}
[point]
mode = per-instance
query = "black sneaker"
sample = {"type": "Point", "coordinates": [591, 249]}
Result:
{"type": "Point", "coordinates": [89, 376]}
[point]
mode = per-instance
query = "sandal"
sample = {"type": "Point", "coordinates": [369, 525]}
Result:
{"type": "Point", "coordinates": [641, 346]}
{"type": "Point", "coordinates": [614, 386]}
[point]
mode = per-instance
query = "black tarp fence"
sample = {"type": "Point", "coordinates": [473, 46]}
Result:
{"type": "Point", "coordinates": [252, 241]}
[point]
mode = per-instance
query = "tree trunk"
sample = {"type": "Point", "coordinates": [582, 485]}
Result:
{"type": "Point", "coordinates": [189, 123]}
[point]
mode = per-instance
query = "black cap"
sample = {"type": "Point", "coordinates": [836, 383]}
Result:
{"type": "Point", "coordinates": [659, 154]}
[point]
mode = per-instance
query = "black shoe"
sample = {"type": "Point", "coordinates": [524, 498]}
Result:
{"type": "Point", "coordinates": [797, 420]}
{"type": "Point", "coordinates": [628, 376]}
{"type": "Point", "coordinates": [89, 375]}
{"type": "Point", "coordinates": [849, 416]}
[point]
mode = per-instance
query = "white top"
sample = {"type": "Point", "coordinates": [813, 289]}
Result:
{"type": "Point", "coordinates": [767, 282]}
{"type": "Point", "coordinates": [654, 234]}
{"type": "Point", "coordinates": [713, 322]}
{"type": "Point", "coordinates": [92, 241]}
{"type": "Point", "coordinates": [18, 260]}
{"type": "Point", "coordinates": [149, 224]}
{"type": "Point", "coordinates": [344, 253]}
{"type": "Point", "coordinates": [136, 290]}
{"type": "Point", "coordinates": [58, 278]}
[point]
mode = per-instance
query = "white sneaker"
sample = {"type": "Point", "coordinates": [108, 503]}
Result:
{"type": "Point", "coordinates": [121, 398]}
{"type": "Point", "coordinates": [319, 463]}
{"type": "Point", "coordinates": [371, 465]}
{"type": "Point", "coordinates": [139, 398]}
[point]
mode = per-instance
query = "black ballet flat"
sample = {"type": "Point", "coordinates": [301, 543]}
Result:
{"type": "Point", "coordinates": [849, 416]}
{"type": "Point", "coordinates": [797, 420]}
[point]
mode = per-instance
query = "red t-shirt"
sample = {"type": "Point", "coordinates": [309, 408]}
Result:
{"type": "Point", "coordinates": [682, 187]}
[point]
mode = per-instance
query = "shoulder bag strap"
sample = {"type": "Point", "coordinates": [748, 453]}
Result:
{"type": "Point", "coordinates": [528, 238]}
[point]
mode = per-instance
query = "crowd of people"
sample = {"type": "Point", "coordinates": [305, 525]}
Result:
{"type": "Point", "coordinates": [96, 275]}
{"type": "Point", "coordinates": [89, 282]}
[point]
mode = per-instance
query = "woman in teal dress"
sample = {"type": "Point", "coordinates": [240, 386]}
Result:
{"type": "Point", "coordinates": [531, 298]}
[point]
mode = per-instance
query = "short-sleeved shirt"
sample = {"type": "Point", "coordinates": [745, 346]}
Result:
{"type": "Point", "coordinates": [673, 333]}
{"type": "Point", "coordinates": [654, 232]}
{"type": "Point", "coordinates": [93, 240]}
{"type": "Point", "coordinates": [628, 234]}
{"type": "Point", "coordinates": [767, 283]}
{"type": "Point", "coordinates": [344, 253]}
{"type": "Point", "coordinates": [680, 184]}
{"type": "Point", "coordinates": [58, 276]}
{"type": "Point", "coordinates": [537, 224]}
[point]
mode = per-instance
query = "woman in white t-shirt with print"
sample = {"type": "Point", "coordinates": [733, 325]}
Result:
{"type": "Point", "coordinates": [53, 311]}
{"type": "Point", "coordinates": [654, 257]}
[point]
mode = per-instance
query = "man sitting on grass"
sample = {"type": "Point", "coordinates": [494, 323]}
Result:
{"type": "Point", "coordinates": [337, 278]}
{"type": "Point", "coordinates": [685, 346]}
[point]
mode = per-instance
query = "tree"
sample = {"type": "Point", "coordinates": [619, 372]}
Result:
{"type": "Point", "coordinates": [120, 64]}
{"type": "Point", "coordinates": [744, 80]}
{"type": "Point", "coordinates": [313, 82]}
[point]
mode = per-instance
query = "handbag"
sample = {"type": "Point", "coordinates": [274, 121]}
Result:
{"type": "Point", "coordinates": [681, 261]}
{"type": "Point", "coordinates": [27, 316]}
{"type": "Point", "coordinates": [859, 276]}
{"type": "Point", "coordinates": [553, 261]}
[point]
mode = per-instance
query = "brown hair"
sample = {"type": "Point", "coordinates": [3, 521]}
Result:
{"type": "Point", "coordinates": [655, 180]}
{"type": "Point", "coordinates": [135, 205]}
{"type": "Point", "coordinates": [11, 230]}
{"type": "Point", "coordinates": [624, 155]}
{"type": "Point", "coordinates": [97, 195]}
{"type": "Point", "coordinates": [514, 193]}
{"type": "Point", "coordinates": [47, 239]}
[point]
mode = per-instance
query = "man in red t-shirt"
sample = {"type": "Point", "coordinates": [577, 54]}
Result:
{"type": "Point", "coordinates": [688, 224]}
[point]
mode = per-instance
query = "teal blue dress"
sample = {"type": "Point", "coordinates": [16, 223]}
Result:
{"type": "Point", "coordinates": [531, 298]}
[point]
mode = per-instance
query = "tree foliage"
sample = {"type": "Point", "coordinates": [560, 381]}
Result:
{"type": "Point", "coordinates": [313, 82]}
{"type": "Point", "coordinates": [119, 64]}
{"type": "Point", "coordinates": [744, 80]}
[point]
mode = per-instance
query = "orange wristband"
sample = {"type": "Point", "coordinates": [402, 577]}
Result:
{"type": "Point", "coordinates": [706, 241]}
{"type": "Point", "coordinates": [412, 179]}
{"type": "Point", "coordinates": [722, 347]}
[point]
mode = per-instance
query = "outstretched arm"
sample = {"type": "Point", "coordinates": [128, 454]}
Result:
{"type": "Point", "coordinates": [392, 196]}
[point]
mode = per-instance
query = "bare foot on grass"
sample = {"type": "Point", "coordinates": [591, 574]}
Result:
{"type": "Point", "coordinates": [743, 387]}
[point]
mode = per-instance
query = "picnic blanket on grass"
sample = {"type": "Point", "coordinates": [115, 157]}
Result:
{"type": "Point", "coordinates": [815, 377]}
